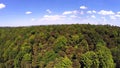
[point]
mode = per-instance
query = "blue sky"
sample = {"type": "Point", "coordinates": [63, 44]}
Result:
{"type": "Point", "coordinates": [46, 12]}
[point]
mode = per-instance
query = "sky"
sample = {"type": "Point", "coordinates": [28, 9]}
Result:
{"type": "Point", "coordinates": [49, 12]}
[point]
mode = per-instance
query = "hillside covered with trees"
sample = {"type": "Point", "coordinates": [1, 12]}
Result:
{"type": "Point", "coordinates": [60, 46]}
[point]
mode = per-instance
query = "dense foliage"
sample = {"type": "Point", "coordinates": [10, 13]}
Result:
{"type": "Point", "coordinates": [60, 46]}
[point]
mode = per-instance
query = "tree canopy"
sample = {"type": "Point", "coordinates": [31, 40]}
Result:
{"type": "Point", "coordinates": [60, 46]}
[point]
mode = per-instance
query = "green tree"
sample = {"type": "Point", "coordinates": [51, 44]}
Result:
{"type": "Point", "coordinates": [89, 60]}
{"type": "Point", "coordinates": [26, 48]}
{"type": "Point", "coordinates": [49, 56]}
{"type": "Point", "coordinates": [63, 63]}
{"type": "Point", "coordinates": [2, 65]}
{"type": "Point", "coordinates": [84, 45]}
{"type": "Point", "coordinates": [27, 57]}
{"type": "Point", "coordinates": [18, 59]}
{"type": "Point", "coordinates": [105, 57]}
{"type": "Point", "coordinates": [116, 55]}
{"type": "Point", "coordinates": [60, 43]}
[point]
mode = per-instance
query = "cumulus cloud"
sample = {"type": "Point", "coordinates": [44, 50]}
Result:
{"type": "Point", "coordinates": [112, 17]}
{"type": "Point", "coordinates": [2, 5]}
{"type": "Point", "coordinates": [93, 16]}
{"type": "Point", "coordinates": [104, 19]}
{"type": "Point", "coordinates": [55, 19]}
{"type": "Point", "coordinates": [52, 17]}
{"type": "Point", "coordinates": [81, 12]}
{"type": "Point", "coordinates": [33, 19]}
{"type": "Point", "coordinates": [91, 12]}
{"type": "Point", "coordinates": [117, 16]}
{"type": "Point", "coordinates": [94, 11]}
{"type": "Point", "coordinates": [49, 11]}
{"type": "Point", "coordinates": [73, 16]}
{"type": "Point", "coordinates": [118, 12]}
{"type": "Point", "coordinates": [28, 12]}
{"type": "Point", "coordinates": [67, 12]}
{"type": "Point", "coordinates": [70, 12]}
{"type": "Point", "coordinates": [83, 7]}
{"type": "Point", "coordinates": [104, 12]}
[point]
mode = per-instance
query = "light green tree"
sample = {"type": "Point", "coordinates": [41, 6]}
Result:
{"type": "Point", "coordinates": [60, 43]}
{"type": "Point", "coordinates": [27, 57]}
{"type": "Point", "coordinates": [104, 56]}
{"type": "Point", "coordinates": [90, 60]}
{"type": "Point", "coordinates": [63, 63]}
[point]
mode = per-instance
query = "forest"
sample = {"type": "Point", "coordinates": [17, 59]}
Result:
{"type": "Point", "coordinates": [60, 46]}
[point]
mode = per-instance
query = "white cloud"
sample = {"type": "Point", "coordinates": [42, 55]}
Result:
{"type": "Point", "coordinates": [70, 12]}
{"type": "Point", "coordinates": [94, 11]}
{"type": "Point", "coordinates": [104, 19]}
{"type": "Point", "coordinates": [73, 16]}
{"type": "Point", "coordinates": [81, 12]}
{"type": "Point", "coordinates": [49, 11]}
{"type": "Point", "coordinates": [2, 5]}
{"type": "Point", "coordinates": [93, 16]}
{"type": "Point", "coordinates": [55, 19]}
{"type": "Point", "coordinates": [91, 12]}
{"type": "Point", "coordinates": [118, 12]}
{"type": "Point", "coordinates": [112, 17]}
{"type": "Point", "coordinates": [67, 12]}
{"type": "Point", "coordinates": [83, 7]}
{"type": "Point", "coordinates": [104, 12]}
{"type": "Point", "coordinates": [117, 16]}
{"type": "Point", "coordinates": [33, 19]}
{"type": "Point", "coordinates": [28, 12]}
{"type": "Point", "coordinates": [75, 12]}
{"type": "Point", "coordinates": [52, 17]}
